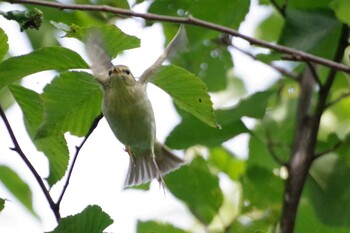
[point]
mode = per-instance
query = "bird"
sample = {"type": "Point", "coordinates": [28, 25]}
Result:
{"type": "Point", "coordinates": [129, 112]}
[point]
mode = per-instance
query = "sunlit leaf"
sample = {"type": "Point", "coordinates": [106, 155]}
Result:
{"type": "Point", "coordinates": [55, 147]}
{"type": "Point", "coordinates": [114, 39]}
{"type": "Point", "coordinates": [187, 91]}
{"type": "Point", "coordinates": [91, 220]}
{"type": "Point", "coordinates": [4, 47]}
{"type": "Point", "coordinates": [226, 162]}
{"type": "Point", "coordinates": [71, 102]}
{"type": "Point", "coordinates": [270, 29]}
{"type": "Point", "coordinates": [17, 187]}
{"type": "Point", "coordinates": [49, 58]}
{"type": "Point", "coordinates": [195, 185]}
{"type": "Point", "coordinates": [150, 227]}
{"type": "Point", "coordinates": [341, 9]}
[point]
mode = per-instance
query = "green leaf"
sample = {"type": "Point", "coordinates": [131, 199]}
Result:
{"type": "Point", "coordinates": [259, 154]}
{"type": "Point", "coordinates": [155, 227]}
{"type": "Point", "coordinates": [191, 131]}
{"type": "Point", "coordinates": [200, 192]}
{"type": "Point", "coordinates": [307, 220]}
{"type": "Point", "coordinates": [300, 4]}
{"type": "Point", "coordinates": [49, 58]}
{"type": "Point", "coordinates": [17, 187]}
{"type": "Point", "coordinates": [55, 147]}
{"type": "Point", "coordinates": [31, 18]}
{"type": "Point", "coordinates": [91, 220]}
{"type": "Point", "coordinates": [311, 31]}
{"type": "Point", "coordinates": [341, 9]}
{"type": "Point", "coordinates": [116, 3]}
{"type": "Point", "coordinates": [71, 102]}
{"type": "Point", "coordinates": [187, 91]}
{"type": "Point", "coordinates": [219, 11]}
{"type": "Point", "coordinates": [270, 29]}
{"type": "Point", "coordinates": [227, 162]}
{"type": "Point", "coordinates": [108, 32]}
{"type": "Point", "coordinates": [209, 61]}
{"type": "Point", "coordinates": [262, 188]}
{"type": "Point", "coordinates": [2, 204]}
{"type": "Point", "coordinates": [329, 195]}
{"type": "Point", "coordinates": [253, 106]}
{"type": "Point", "coordinates": [4, 47]}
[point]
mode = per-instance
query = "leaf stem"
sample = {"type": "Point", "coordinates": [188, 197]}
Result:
{"type": "Point", "coordinates": [18, 149]}
{"type": "Point", "coordinates": [293, 54]}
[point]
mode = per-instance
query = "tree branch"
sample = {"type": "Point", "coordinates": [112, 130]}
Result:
{"type": "Point", "coordinates": [18, 149]}
{"type": "Point", "coordinates": [281, 10]}
{"type": "Point", "coordinates": [305, 139]}
{"type": "Point", "coordinates": [78, 148]}
{"type": "Point", "coordinates": [300, 161]}
{"type": "Point", "coordinates": [293, 54]}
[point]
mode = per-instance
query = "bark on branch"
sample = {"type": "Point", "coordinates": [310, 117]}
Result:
{"type": "Point", "coordinates": [293, 54]}
{"type": "Point", "coordinates": [305, 140]}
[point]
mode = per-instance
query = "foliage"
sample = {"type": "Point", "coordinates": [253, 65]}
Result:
{"type": "Point", "coordinates": [71, 102]}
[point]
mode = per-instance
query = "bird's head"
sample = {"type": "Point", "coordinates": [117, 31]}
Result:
{"type": "Point", "coordinates": [120, 75]}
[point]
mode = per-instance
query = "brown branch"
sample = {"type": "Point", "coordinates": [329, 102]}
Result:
{"type": "Point", "coordinates": [300, 161]}
{"type": "Point", "coordinates": [19, 151]}
{"type": "Point", "coordinates": [305, 139]}
{"type": "Point", "coordinates": [78, 148]}
{"type": "Point", "coordinates": [280, 9]}
{"type": "Point", "coordinates": [333, 148]}
{"type": "Point", "coordinates": [293, 54]}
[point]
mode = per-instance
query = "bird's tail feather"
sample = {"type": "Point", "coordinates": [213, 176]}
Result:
{"type": "Point", "coordinates": [144, 167]}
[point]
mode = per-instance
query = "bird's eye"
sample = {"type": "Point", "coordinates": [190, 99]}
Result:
{"type": "Point", "coordinates": [110, 72]}
{"type": "Point", "coordinates": [127, 72]}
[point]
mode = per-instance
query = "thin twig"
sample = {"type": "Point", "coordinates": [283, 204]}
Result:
{"type": "Point", "coordinates": [339, 98]}
{"type": "Point", "coordinates": [78, 148]}
{"type": "Point", "coordinates": [333, 148]}
{"type": "Point", "coordinates": [277, 68]}
{"type": "Point", "coordinates": [281, 10]}
{"type": "Point", "coordinates": [270, 148]}
{"type": "Point", "coordinates": [284, 6]}
{"type": "Point", "coordinates": [18, 149]}
{"type": "Point", "coordinates": [293, 54]}
{"type": "Point", "coordinates": [314, 73]}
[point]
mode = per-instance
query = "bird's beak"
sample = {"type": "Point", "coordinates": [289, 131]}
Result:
{"type": "Point", "coordinates": [117, 70]}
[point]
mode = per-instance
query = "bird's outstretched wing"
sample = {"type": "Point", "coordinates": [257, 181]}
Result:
{"type": "Point", "coordinates": [100, 61]}
{"type": "Point", "coordinates": [179, 41]}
